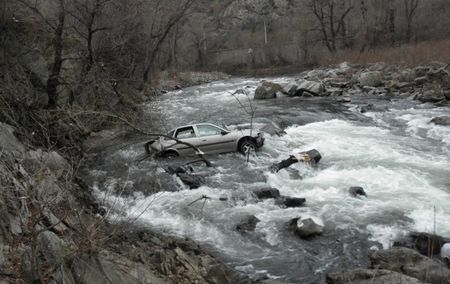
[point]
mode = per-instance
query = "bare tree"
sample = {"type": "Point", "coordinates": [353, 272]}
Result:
{"type": "Point", "coordinates": [331, 16]}
{"type": "Point", "coordinates": [54, 79]}
{"type": "Point", "coordinates": [410, 7]}
{"type": "Point", "coordinates": [162, 24]}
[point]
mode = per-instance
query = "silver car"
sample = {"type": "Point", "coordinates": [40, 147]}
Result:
{"type": "Point", "coordinates": [209, 138]}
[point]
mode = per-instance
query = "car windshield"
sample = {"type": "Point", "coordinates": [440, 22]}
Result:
{"type": "Point", "coordinates": [185, 132]}
{"type": "Point", "coordinates": [208, 130]}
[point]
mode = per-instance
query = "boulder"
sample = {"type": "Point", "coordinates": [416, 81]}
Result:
{"type": "Point", "coordinates": [379, 66]}
{"type": "Point", "coordinates": [267, 90]}
{"type": "Point", "coordinates": [290, 202]}
{"type": "Point", "coordinates": [52, 247]}
{"type": "Point", "coordinates": [425, 243]}
{"type": "Point", "coordinates": [247, 223]}
{"type": "Point", "coordinates": [266, 193]}
{"type": "Point", "coordinates": [370, 276]}
{"type": "Point", "coordinates": [305, 228]}
{"type": "Point", "coordinates": [357, 191]}
{"type": "Point", "coordinates": [430, 96]}
{"type": "Point", "coordinates": [441, 120]}
{"type": "Point", "coordinates": [407, 75]}
{"type": "Point", "coordinates": [310, 86]}
{"type": "Point", "coordinates": [411, 263]}
{"type": "Point", "coordinates": [370, 79]}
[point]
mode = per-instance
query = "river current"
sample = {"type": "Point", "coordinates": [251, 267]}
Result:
{"type": "Point", "coordinates": [399, 158]}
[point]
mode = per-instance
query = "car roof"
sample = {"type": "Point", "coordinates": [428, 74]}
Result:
{"type": "Point", "coordinates": [195, 124]}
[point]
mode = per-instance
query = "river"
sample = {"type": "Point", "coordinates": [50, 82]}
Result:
{"type": "Point", "coordinates": [400, 159]}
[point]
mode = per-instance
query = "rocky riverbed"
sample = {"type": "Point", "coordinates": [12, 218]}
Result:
{"type": "Point", "coordinates": [381, 130]}
{"type": "Point", "coordinates": [373, 125]}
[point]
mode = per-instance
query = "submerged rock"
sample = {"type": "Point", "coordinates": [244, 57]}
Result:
{"type": "Point", "coordinates": [193, 181]}
{"type": "Point", "coordinates": [305, 228]}
{"type": "Point", "coordinates": [441, 120]}
{"type": "Point", "coordinates": [267, 193]}
{"type": "Point", "coordinates": [247, 223]}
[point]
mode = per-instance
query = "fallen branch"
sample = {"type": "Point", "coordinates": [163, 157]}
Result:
{"type": "Point", "coordinates": [131, 125]}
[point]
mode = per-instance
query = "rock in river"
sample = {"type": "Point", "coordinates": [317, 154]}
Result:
{"type": "Point", "coordinates": [247, 223]}
{"type": "Point", "coordinates": [441, 120]}
{"type": "Point", "coordinates": [267, 90]}
{"type": "Point", "coordinates": [305, 228]}
{"type": "Point", "coordinates": [266, 193]}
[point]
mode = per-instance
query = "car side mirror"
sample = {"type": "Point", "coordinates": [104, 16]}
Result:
{"type": "Point", "coordinates": [224, 132]}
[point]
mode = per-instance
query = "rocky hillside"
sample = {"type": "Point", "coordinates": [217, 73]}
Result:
{"type": "Point", "coordinates": [52, 230]}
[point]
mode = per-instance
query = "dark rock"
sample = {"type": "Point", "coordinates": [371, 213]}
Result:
{"type": "Point", "coordinates": [305, 228]}
{"type": "Point", "coordinates": [421, 71]}
{"type": "Point", "coordinates": [247, 223]}
{"type": "Point", "coordinates": [366, 108]}
{"type": "Point", "coordinates": [370, 276]}
{"type": "Point", "coordinates": [427, 244]}
{"type": "Point", "coordinates": [447, 94]}
{"type": "Point", "coordinates": [193, 181]}
{"type": "Point", "coordinates": [290, 202]}
{"type": "Point", "coordinates": [266, 193]}
{"type": "Point", "coordinates": [411, 263]}
{"type": "Point", "coordinates": [314, 156]}
{"type": "Point", "coordinates": [357, 190]}
{"type": "Point", "coordinates": [441, 120]}
{"type": "Point", "coordinates": [267, 90]}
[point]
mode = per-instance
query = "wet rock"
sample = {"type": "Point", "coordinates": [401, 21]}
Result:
{"type": "Point", "coordinates": [447, 94]}
{"type": "Point", "coordinates": [370, 79]}
{"type": "Point", "coordinates": [193, 181]}
{"type": "Point", "coordinates": [370, 276]}
{"type": "Point", "coordinates": [267, 193]}
{"type": "Point", "coordinates": [430, 96]}
{"type": "Point", "coordinates": [167, 182]}
{"type": "Point", "coordinates": [366, 108]}
{"type": "Point", "coordinates": [425, 243]}
{"type": "Point", "coordinates": [441, 120]}
{"type": "Point", "coordinates": [290, 202]}
{"type": "Point", "coordinates": [305, 228]}
{"type": "Point", "coordinates": [267, 90]}
{"type": "Point", "coordinates": [411, 263]}
{"type": "Point", "coordinates": [357, 191]}
{"type": "Point", "coordinates": [247, 223]}
{"type": "Point", "coordinates": [273, 130]}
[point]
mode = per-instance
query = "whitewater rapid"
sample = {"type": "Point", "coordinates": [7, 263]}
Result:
{"type": "Point", "coordinates": [398, 157]}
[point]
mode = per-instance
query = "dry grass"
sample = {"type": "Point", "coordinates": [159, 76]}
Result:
{"type": "Point", "coordinates": [404, 55]}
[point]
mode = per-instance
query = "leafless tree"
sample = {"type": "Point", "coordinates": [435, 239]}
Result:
{"type": "Point", "coordinates": [331, 16]}
{"type": "Point", "coordinates": [410, 7]}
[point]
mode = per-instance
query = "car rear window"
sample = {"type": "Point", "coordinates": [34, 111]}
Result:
{"type": "Point", "coordinates": [208, 130]}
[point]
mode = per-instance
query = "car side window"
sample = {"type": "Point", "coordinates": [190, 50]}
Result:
{"type": "Point", "coordinates": [208, 130]}
{"type": "Point", "coordinates": [185, 132]}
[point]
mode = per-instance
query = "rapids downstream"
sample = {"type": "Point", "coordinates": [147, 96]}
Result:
{"type": "Point", "coordinates": [400, 159]}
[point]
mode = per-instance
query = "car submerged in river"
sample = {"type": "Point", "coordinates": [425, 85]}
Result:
{"type": "Point", "coordinates": [209, 138]}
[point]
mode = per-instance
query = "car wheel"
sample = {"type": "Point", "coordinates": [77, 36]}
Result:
{"type": "Point", "coordinates": [246, 146]}
{"type": "Point", "coordinates": [170, 155]}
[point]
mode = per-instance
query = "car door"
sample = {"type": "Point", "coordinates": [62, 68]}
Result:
{"type": "Point", "coordinates": [186, 134]}
{"type": "Point", "coordinates": [213, 140]}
